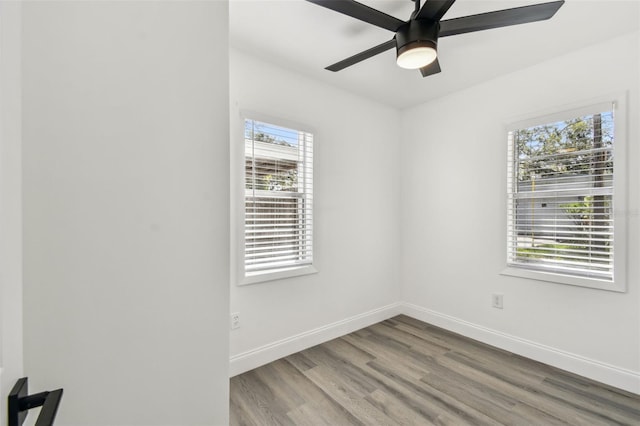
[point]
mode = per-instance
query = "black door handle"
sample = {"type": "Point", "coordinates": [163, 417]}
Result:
{"type": "Point", "coordinates": [19, 402]}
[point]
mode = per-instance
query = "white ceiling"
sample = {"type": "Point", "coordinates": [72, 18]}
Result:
{"type": "Point", "coordinates": [305, 37]}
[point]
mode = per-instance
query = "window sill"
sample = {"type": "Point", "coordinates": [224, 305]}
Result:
{"type": "Point", "coordinates": [278, 274]}
{"type": "Point", "coordinates": [563, 279]}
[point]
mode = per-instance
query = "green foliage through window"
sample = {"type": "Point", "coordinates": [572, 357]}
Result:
{"type": "Point", "coordinates": [561, 196]}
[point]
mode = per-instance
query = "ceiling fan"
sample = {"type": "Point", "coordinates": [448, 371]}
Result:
{"type": "Point", "coordinates": [416, 40]}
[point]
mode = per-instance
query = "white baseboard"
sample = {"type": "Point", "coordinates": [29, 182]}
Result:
{"type": "Point", "coordinates": [595, 370]}
{"type": "Point", "coordinates": [614, 376]}
{"type": "Point", "coordinates": [256, 357]}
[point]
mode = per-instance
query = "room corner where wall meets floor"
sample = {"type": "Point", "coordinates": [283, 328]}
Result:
{"type": "Point", "coordinates": [592, 369]}
{"type": "Point", "coordinates": [403, 371]}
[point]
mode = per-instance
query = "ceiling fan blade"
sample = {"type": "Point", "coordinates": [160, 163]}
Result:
{"type": "Point", "coordinates": [362, 56]}
{"type": "Point", "coordinates": [432, 68]}
{"type": "Point", "coordinates": [434, 10]}
{"type": "Point", "coordinates": [361, 12]}
{"type": "Point", "coordinates": [499, 18]}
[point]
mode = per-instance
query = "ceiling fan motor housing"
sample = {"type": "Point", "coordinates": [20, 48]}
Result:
{"type": "Point", "coordinates": [417, 33]}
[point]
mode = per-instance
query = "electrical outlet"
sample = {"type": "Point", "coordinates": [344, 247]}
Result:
{"type": "Point", "coordinates": [235, 320]}
{"type": "Point", "coordinates": [496, 300]}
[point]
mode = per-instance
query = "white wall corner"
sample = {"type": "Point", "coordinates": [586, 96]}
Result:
{"type": "Point", "coordinates": [11, 325]}
{"type": "Point", "coordinates": [265, 354]}
{"type": "Point", "coordinates": [611, 375]}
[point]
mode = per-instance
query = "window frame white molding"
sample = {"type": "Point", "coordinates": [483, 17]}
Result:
{"type": "Point", "coordinates": [242, 277]}
{"type": "Point", "coordinates": [620, 179]}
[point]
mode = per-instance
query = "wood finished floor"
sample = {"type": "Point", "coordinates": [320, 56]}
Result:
{"type": "Point", "coordinates": [405, 372]}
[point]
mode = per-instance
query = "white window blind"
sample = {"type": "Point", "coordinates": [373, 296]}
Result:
{"type": "Point", "coordinates": [278, 223]}
{"type": "Point", "coordinates": [560, 196]}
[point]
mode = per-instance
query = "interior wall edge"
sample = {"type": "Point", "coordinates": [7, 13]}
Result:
{"type": "Point", "coordinates": [11, 317]}
{"type": "Point", "coordinates": [599, 371]}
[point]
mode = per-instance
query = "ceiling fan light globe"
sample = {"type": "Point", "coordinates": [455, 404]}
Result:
{"type": "Point", "coordinates": [416, 57]}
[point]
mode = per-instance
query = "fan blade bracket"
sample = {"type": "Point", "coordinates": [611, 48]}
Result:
{"type": "Point", "coordinates": [432, 68]}
{"type": "Point", "coordinates": [434, 10]}
{"type": "Point", "coordinates": [361, 12]}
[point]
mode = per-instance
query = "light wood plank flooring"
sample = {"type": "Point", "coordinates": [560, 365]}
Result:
{"type": "Point", "coordinates": [405, 372]}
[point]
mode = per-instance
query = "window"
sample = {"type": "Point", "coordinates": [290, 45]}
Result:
{"type": "Point", "coordinates": [563, 172]}
{"type": "Point", "coordinates": [278, 200]}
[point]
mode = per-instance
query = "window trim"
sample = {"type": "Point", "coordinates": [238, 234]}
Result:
{"type": "Point", "coordinates": [619, 101]}
{"type": "Point", "coordinates": [238, 151]}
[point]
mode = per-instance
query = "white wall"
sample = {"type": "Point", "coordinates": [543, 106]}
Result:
{"type": "Point", "coordinates": [453, 219]}
{"type": "Point", "coordinates": [126, 179]}
{"type": "Point", "coordinates": [355, 215]}
{"type": "Point", "coordinates": [10, 202]}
